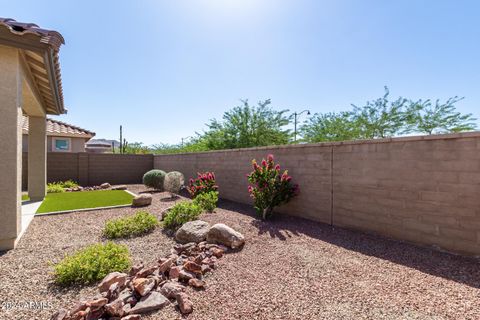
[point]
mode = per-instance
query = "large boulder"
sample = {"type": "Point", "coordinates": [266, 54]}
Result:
{"type": "Point", "coordinates": [223, 234]}
{"type": "Point", "coordinates": [141, 200]}
{"type": "Point", "coordinates": [192, 231]}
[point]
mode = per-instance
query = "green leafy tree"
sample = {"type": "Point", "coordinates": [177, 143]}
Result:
{"type": "Point", "coordinates": [197, 144]}
{"type": "Point", "coordinates": [248, 126]}
{"type": "Point", "coordinates": [330, 127]}
{"type": "Point", "coordinates": [381, 118]}
{"type": "Point", "coordinates": [136, 148]}
{"type": "Point", "coordinates": [429, 118]}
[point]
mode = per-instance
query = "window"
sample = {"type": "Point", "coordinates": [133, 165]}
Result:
{"type": "Point", "coordinates": [61, 144]}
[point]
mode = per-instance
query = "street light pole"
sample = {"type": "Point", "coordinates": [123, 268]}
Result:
{"type": "Point", "coordinates": [295, 114]}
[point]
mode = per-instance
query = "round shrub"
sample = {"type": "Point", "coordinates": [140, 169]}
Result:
{"type": "Point", "coordinates": [92, 263]}
{"type": "Point", "coordinates": [154, 179]}
{"type": "Point", "coordinates": [174, 182]}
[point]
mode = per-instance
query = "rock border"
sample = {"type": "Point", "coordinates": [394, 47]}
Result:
{"type": "Point", "coordinates": [125, 296]}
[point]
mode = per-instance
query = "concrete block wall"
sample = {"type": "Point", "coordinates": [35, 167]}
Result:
{"type": "Point", "coordinates": [310, 165]}
{"type": "Point", "coordinates": [93, 169]}
{"type": "Point", "coordinates": [424, 190]}
{"type": "Point", "coordinates": [117, 168]}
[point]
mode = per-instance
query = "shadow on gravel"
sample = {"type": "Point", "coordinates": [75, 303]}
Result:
{"type": "Point", "coordinates": [449, 266]}
{"type": "Point", "coordinates": [171, 199]}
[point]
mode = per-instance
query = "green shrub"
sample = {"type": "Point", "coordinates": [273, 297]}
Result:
{"type": "Point", "coordinates": [180, 213]}
{"type": "Point", "coordinates": [174, 182]}
{"type": "Point", "coordinates": [92, 263]}
{"type": "Point", "coordinates": [270, 188]}
{"type": "Point", "coordinates": [59, 186]}
{"type": "Point", "coordinates": [207, 201]}
{"type": "Point", "coordinates": [140, 223]}
{"type": "Point", "coordinates": [154, 179]}
{"type": "Point", "coordinates": [68, 184]}
{"type": "Point", "coordinates": [55, 187]}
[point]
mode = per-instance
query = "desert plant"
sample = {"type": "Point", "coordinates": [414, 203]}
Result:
{"type": "Point", "coordinates": [140, 223]}
{"type": "Point", "coordinates": [174, 182]}
{"type": "Point", "coordinates": [92, 263]}
{"type": "Point", "coordinates": [180, 213]}
{"type": "Point", "coordinates": [205, 182]}
{"type": "Point", "coordinates": [154, 179]}
{"type": "Point", "coordinates": [55, 187]}
{"type": "Point", "coordinates": [270, 188]}
{"type": "Point", "coordinates": [207, 201]}
{"type": "Point", "coordinates": [68, 184]}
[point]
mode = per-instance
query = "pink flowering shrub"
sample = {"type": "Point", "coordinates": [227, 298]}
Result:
{"type": "Point", "coordinates": [270, 188]}
{"type": "Point", "coordinates": [204, 183]}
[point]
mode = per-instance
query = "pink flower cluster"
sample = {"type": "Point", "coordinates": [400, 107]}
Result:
{"type": "Point", "coordinates": [205, 182]}
{"type": "Point", "coordinates": [269, 187]}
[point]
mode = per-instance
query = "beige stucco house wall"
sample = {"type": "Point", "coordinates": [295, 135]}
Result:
{"type": "Point", "coordinates": [77, 144]}
{"type": "Point", "coordinates": [30, 85]}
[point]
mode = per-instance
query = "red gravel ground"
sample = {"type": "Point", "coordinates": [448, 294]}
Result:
{"type": "Point", "coordinates": [290, 268]}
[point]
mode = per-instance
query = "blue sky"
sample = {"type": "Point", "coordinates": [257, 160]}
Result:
{"type": "Point", "coordinates": [162, 69]}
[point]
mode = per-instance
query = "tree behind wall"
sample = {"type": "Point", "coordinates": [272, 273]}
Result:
{"type": "Point", "coordinates": [382, 118]}
{"type": "Point", "coordinates": [429, 118]}
{"type": "Point", "coordinates": [248, 126]}
{"type": "Point", "coordinates": [330, 127]}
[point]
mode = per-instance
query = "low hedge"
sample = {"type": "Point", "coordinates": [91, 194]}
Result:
{"type": "Point", "coordinates": [181, 213]}
{"type": "Point", "coordinates": [92, 263]}
{"type": "Point", "coordinates": [207, 201]}
{"type": "Point", "coordinates": [140, 223]}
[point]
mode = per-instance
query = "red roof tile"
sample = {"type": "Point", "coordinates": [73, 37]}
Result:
{"type": "Point", "coordinates": [23, 35]}
{"type": "Point", "coordinates": [61, 129]}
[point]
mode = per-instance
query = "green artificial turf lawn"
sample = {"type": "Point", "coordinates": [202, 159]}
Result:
{"type": "Point", "coordinates": [25, 197]}
{"type": "Point", "coordinates": [84, 199]}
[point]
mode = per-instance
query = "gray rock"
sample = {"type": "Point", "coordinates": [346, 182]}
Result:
{"type": "Point", "coordinates": [141, 200]}
{"type": "Point", "coordinates": [111, 278]}
{"type": "Point", "coordinates": [171, 288]}
{"type": "Point", "coordinates": [115, 308]}
{"type": "Point", "coordinates": [223, 234]}
{"type": "Point", "coordinates": [184, 303]}
{"type": "Point", "coordinates": [59, 315]}
{"type": "Point", "coordinates": [105, 185]}
{"type": "Point", "coordinates": [143, 286]}
{"type": "Point", "coordinates": [120, 187]}
{"type": "Point", "coordinates": [154, 301]}
{"type": "Point", "coordinates": [192, 231]}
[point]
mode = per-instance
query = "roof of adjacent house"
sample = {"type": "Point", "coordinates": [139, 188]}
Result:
{"type": "Point", "coordinates": [61, 129]}
{"type": "Point", "coordinates": [102, 143]}
{"type": "Point", "coordinates": [40, 52]}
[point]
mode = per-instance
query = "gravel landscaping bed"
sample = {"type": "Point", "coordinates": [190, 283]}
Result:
{"type": "Point", "coordinates": [290, 268]}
